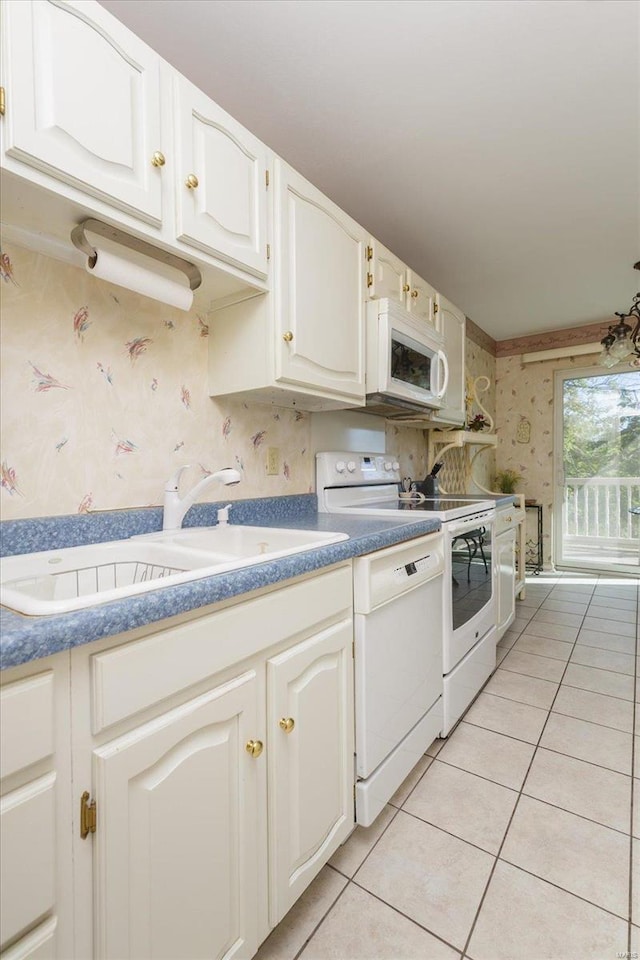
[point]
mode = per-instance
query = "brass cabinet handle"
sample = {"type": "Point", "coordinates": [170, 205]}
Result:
{"type": "Point", "coordinates": [406, 287]}
{"type": "Point", "coordinates": [192, 181]}
{"type": "Point", "coordinates": [158, 160]}
{"type": "Point", "coordinates": [254, 747]}
{"type": "Point", "coordinates": [287, 724]}
{"type": "Point", "coordinates": [415, 294]}
{"type": "Point", "coordinates": [287, 336]}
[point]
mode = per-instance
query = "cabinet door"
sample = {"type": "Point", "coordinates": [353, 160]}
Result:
{"type": "Point", "coordinates": [27, 833]}
{"type": "Point", "coordinates": [176, 856]}
{"type": "Point", "coordinates": [388, 275]}
{"type": "Point", "coordinates": [84, 102]}
{"type": "Point", "coordinates": [452, 325]}
{"type": "Point", "coordinates": [421, 299]}
{"type": "Point", "coordinates": [226, 213]}
{"type": "Point", "coordinates": [311, 771]}
{"type": "Point", "coordinates": [506, 579]}
{"type": "Point", "coordinates": [36, 810]}
{"type": "Point", "coordinates": [320, 307]}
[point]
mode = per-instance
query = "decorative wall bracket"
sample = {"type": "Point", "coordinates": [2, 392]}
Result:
{"type": "Point", "coordinates": [445, 440]}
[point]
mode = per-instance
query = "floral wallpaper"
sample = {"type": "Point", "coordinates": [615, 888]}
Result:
{"type": "Point", "coordinates": [105, 394]}
{"type": "Point", "coordinates": [455, 473]}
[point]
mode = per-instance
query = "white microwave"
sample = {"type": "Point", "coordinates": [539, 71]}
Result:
{"type": "Point", "coordinates": [407, 367]}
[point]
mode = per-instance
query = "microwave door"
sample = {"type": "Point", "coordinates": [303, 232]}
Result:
{"type": "Point", "coordinates": [414, 369]}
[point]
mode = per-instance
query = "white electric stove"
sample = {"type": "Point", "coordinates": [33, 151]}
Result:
{"type": "Point", "coordinates": [368, 484]}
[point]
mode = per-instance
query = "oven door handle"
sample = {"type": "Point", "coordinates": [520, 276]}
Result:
{"type": "Point", "coordinates": [459, 529]}
{"type": "Point", "coordinates": [442, 358]}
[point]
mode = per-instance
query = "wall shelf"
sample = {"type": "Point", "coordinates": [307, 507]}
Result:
{"type": "Point", "coordinates": [458, 438]}
{"type": "Point", "coordinates": [441, 442]}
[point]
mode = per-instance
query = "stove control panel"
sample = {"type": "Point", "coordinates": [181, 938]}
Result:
{"type": "Point", "coordinates": [339, 469]}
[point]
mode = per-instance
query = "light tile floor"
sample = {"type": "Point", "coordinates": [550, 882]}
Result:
{"type": "Point", "coordinates": [513, 838]}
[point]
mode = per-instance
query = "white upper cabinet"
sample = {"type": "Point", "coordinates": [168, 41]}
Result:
{"type": "Point", "coordinates": [389, 277]}
{"type": "Point", "coordinates": [83, 102]}
{"type": "Point", "coordinates": [452, 324]}
{"type": "Point", "coordinates": [321, 276]}
{"type": "Point", "coordinates": [421, 300]}
{"type": "Point", "coordinates": [221, 190]}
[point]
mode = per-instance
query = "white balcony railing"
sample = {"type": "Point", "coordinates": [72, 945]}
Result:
{"type": "Point", "coordinates": [598, 512]}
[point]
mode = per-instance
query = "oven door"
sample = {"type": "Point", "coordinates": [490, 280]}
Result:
{"type": "Point", "coordinates": [470, 585]}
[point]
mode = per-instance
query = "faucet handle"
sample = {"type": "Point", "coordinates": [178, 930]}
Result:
{"type": "Point", "coordinates": [173, 483]}
{"type": "Point", "coordinates": [223, 514]}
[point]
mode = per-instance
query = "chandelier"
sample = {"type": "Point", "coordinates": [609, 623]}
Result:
{"type": "Point", "coordinates": [622, 341]}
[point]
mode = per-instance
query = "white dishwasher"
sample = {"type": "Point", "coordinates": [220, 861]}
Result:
{"type": "Point", "coordinates": [398, 665]}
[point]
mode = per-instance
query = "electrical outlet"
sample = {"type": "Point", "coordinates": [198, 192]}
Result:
{"type": "Point", "coordinates": [273, 461]}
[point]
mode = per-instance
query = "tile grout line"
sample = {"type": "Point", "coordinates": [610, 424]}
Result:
{"type": "Point", "coordinates": [537, 746]}
{"type": "Point", "coordinates": [518, 866]}
{"type": "Point", "coordinates": [604, 726]}
{"type": "Point", "coordinates": [576, 642]}
{"type": "Point", "coordinates": [407, 917]}
{"type": "Point", "coordinates": [549, 804]}
{"type": "Point", "coordinates": [322, 918]}
{"type": "Point", "coordinates": [587, 666]}
{"type": "Point", "coordinates": [352, 879]}
{"type": "Point", "coordinates": [556, 886]}
{"type": "Point", "coordinates": [513, 813]}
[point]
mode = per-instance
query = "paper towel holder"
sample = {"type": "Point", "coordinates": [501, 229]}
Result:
{"type": "Point", "coordinates": [79, 240]}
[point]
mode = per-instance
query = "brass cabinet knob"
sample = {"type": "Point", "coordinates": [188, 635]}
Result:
{"type": "Point", "coordinates": [287, 336]}
{"type": "Point", "coordinates": [406, 288]}
{"type": "Point", "coordinates": [158, 160]}
{"type": "Point", "coordinates": [415, 294]}
{"type": "Point", "coordinates": [287, 724]}
{"type": "Point", "coordinates": [192, 181]}
{"type": "Point", "coordinates": [254, 747]}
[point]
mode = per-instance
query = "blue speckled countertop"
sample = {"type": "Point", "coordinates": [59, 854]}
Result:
{"type": "Point", "coordinates": [29, 638]}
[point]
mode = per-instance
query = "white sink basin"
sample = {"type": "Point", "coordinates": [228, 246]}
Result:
{"type": "Point", "coordinates": [240, 541]}
{"type": "Point", "coordinates": [58, 581]}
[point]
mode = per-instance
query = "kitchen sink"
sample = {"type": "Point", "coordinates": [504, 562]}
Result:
{"type": "Point", "coordinates": [241, 541]}
{"type": "Point", "coordinates": [59, 581]}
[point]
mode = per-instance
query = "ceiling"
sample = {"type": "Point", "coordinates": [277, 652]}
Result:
{"type": "Point", "coordinates": [492, 144]}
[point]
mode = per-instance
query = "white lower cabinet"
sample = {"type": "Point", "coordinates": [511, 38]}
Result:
{"type": "Point", "coordinates": [505, 559]}
{"type": "Point", "coordinates": [218, 751]}
{"type": "Point", "coordinates": [36, 908]}
{"type": "Point", "coordinates": [176, 849]}
{"type": "Point", "coordinates": [310, 722]}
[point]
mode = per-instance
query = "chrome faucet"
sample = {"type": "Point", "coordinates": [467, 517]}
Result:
{"type": "Point", "coordinates": [175, 506]}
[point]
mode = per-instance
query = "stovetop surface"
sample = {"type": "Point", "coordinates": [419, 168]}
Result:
{"type": "Point", "coordinates": [430, 504]}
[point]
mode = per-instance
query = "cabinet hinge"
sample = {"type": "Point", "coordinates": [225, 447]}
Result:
{"type": "Point", "coordinates": [3, 103]}
{"type": "Point", "coordinates": [268, 251]}
{"type": "Point", "coordinates": [88, 815]}
{"type": "Point", "coordinates": [369, 253]}
{"type": "Point", "coordinates": [435, 307]}
{"type": "Point", "coordinates": [369, 279]}
{"type": "Point", "coordinates": [266, 179]}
